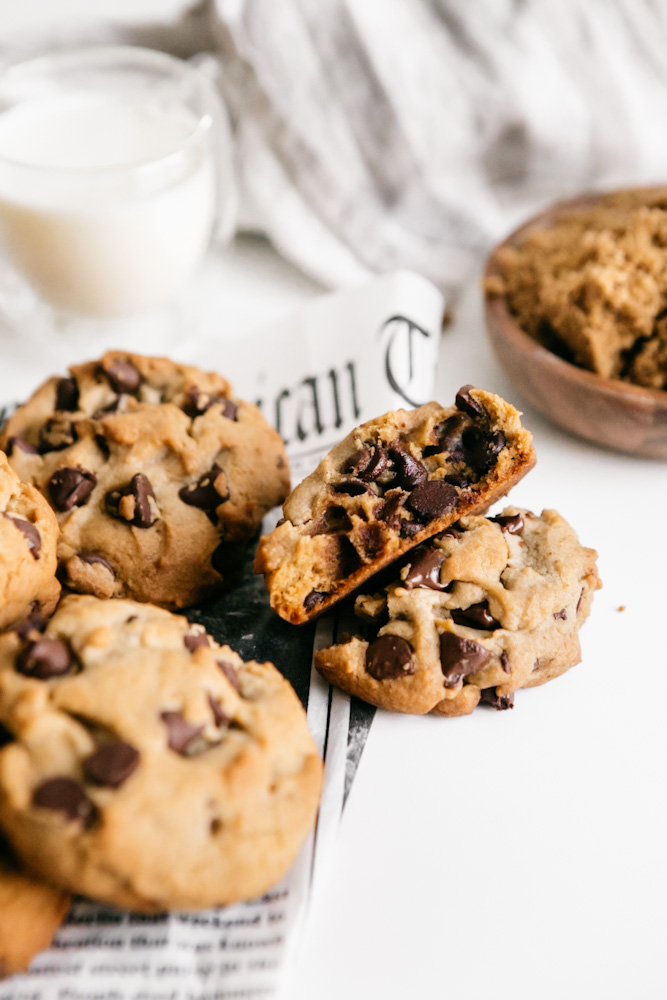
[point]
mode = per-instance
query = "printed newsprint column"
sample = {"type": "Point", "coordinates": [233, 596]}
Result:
{"type": "Point", "coordinates": [336, 362]}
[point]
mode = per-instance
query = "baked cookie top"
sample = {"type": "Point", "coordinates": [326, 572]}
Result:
{"type": "Point", "coordinates": [391, 484]}
{"type": "Point", "coordinates": [28, 539]}
{"type": "Point", "coordinates": [30, 914]}
{"type": "Point", "coordinates": [149, 767]}
{"type": "Point", "coordinates": [157, 474]}
{"type": "Point", "coordinates": [488, 606]}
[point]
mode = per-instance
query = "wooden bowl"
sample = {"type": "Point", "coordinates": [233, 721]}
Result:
{"type": "Point", "coordinates": [608, 412]}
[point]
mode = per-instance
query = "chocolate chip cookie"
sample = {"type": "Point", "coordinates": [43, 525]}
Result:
{"type": "Point", "coordinates": [30, 914]}
{"type": "Point", "coordinates": [28, 538]}
{"type": "Point", "coordinates": [391, 484]}
{"type": "Point", "coordinates": [488, 606]}
{"type": "Point", "coordinates": [147, 766]}
{"type": "Point", "coordinates": [158, 476]}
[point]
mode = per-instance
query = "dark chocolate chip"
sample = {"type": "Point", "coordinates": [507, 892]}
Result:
{"type": "Point", "coordinates": [122, 376]}
{"type": "Point", "coordinates": [459, 657]}
{"type": "Point", "coordinates": [103, 444]}
{"type": "Point", "coordinates": [229, 670]}
{"type": "Point", "coordinates": [410, 528]}
{"type": "Point", "coordinates": [181, 733]}
{"type": "Point", "coordinates": [476, 616]}
{"type": "Point", "coordinates": [424, 570]}
{"type": "Point", "coordinates": [336, 519]}
{"type": "Point", "coordinates": [203, 494]}
{"type": "Point", "coordinates": [512, 523]}
{"type": "Point", "coordinates": [467, 404]}
{"type": "Point", "coordinates": [368, 463]}
{"type": "Point", "coordinates": [314, 598]}
{"type": "Point", "coordinates": [561, 615]}
{"type": "Point", "coordinates": [56, 434]}
{"type": "Point", "coordinates": [66, 796]}
{"type": "Point", "coordinates": [432, 499]}
{"type": "Point", "coordinates": [449, 532]}
{"type": "Point", "coordinates": [372, 540]}
{"type": "Point", "coordinates": [29, 532]}
{"type": "Point", "coordinates": [195, 640]}
{"type": "Point", "coordinates": [353, 488]}
{"type": "Point", "coordinates": [44, 658]}
{"type": "Point", "coordinates": [457, 479]}
{"type": "Point", "coordinates": [198, 401]}
{"type": "Point", "coordinates": [220, 718]}
{"type": "Point", "coordinates": [230, 409]}
{"type": "Point", "coordinates": [111, 407]}
{"type": "Point", "coordinates": [499, 702]}
{"type": "Point", "coordinates": [387, 511]}
{"type": "Point", "coordinates": [71, 487]}
{"type": "Point", "coordinates": [482, 447]}
{"type": "Point", "coordinates": [112, 764]}
{"type": "Point", "coordinates": [389, 657]}
{"type": "Point", "coordinates": [505, 662]}
{"type": "Point", "coordinates": [408, 471]}
{"type": "Point", "coordinates": [134, 503]}
{"type": "Point", "coordinates": [67, 395]}
{"type": "Point", "coordinates": [35, 622]}
{"type": "Point", "coordinates": [18, 444]}
{"type": "Point", "coordinates": [94, 558]}
{"type": "Point", "coordinates": [449, 437]}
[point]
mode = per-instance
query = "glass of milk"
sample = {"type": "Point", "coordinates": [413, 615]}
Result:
{"type": "Point", "coordinates": [115, 167]}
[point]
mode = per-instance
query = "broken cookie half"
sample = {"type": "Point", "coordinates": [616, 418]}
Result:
{"type": "Point", "coordinates": [482, 609]}
{"type": "Point", "coordinates": [388, 486]}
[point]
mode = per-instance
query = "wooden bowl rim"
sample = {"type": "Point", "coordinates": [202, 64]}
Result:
{"type": "Point", "coordinates": [511, 330]}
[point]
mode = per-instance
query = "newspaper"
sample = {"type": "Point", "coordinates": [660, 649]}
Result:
{"type": "Point", "coordinates": [336, 362]}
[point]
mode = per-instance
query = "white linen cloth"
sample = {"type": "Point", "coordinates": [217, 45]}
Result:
{"type": "Point", "coordinates": [375, 134]}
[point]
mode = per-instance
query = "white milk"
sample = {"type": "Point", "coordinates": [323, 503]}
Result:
{"type": "Point", "coordinates": [106, 205]}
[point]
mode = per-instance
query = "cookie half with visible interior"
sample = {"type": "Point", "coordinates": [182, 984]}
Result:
{"type": "Point", "coordinates": [28, 540]}
{"type": "Point", "coordinates": [30, 914]}
{"type": "Point", "coordinates": [147, 766]}
{"type": "Point", "coordinates": [158, 475]}
{"type": "Point", "coordinates": [391, 484]}
{"type": "Point", "coordinates": [489, 606]}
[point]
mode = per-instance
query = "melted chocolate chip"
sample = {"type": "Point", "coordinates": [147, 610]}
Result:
{"type": "Point", "coordinates": [368, 463]}
{"type": "Point", "coordinates": [29, 532]}
{"type": "Point", "coordinates": [389, 657]}
{"type": "Point", "coordinates": [449, 437]}
{"type": "Point", "coordinates": [67, 395]}
{"type": "Point", "coordinates": [476, 616]}
{"type": "Point", "coordinates": [112, 764]}
{"type": "Point", "coordinates": [219, 717]}
{"type": "Point", "coordinates": [94, 558]}
{"type": "Point", "coordinates": [198, 401]}
{"type": "Point", "coordinates": [56, 434]}
{"type": "Point", "coordinates": [335, 519]}
{"type": "Point", "coordinates": [134, 503]}
{"type": "Point", "coordinates": [561, 615]}
{"type": "Point", "coordinates": [314, 598]}
{"type": "Point", "coordinates": [195, 640]}
{"type": "Point", "coordinates": [408, 471]}
{"type": "Point", "coordinates": [45, 658]}
{"type": "Point", "coordinates": [410, 528]}
{"type": "Point", "coordinates": [459, 657]}
{"type": "Point", "coordinates": [372, 540]}
{"type": "Point", "coordinates": [424, 570]}
{"type": "Point", "coordinates": [35, 622]}
{"type": "Point", "coordinates": [493, 700]}
{"type": "Point", "coordinates": [457, 479]}
{"type": "Point", "coordinates": [467, 404]}
{"type": "Point", "coordinates": [512, 523]}
{"type": "Point", "coordinates": [122, 377]}
{"type": "Point", "coordinates": [482, 447]}
{"type": "Point", "coordinates": [229, 670]}
{"type": "Point", "coordinates": [353, 488]}
{"type": "Point", "coordinates": [181, 733]}
{"type": "Point", "coordinates": [203, 494]}
{"type": "Point", "coordinates": [505, 662]}
{"type": "Point", "coordinates": [18, 444]}
{"type": "Point", "coordinates": [66, 796]}
{"type": "Point", "coordinates": [387, 511]}
{"type": "Point", "coordinates": [71, 487]}
{"type": "Point", "coordinates": [432, 499]}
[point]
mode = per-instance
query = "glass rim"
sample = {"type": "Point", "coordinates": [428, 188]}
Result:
{"type": "Point", "coordinates": [97, 55]}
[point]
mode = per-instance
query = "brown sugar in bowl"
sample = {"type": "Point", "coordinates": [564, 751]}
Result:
{"type": "Point", "coordinates": [608, 412]}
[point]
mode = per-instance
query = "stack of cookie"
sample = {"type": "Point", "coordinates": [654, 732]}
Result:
{"type": "Point", "coordinates": [141, 763]}
{"type": "Point", "coordinates": [467, 608]}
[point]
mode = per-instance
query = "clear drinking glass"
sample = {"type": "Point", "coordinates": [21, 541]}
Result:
{"type": "Point", "coordinates": [115, 169]}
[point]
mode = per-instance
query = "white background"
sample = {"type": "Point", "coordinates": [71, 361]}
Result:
{"type": "Point", "coordinates": [509, 855]}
